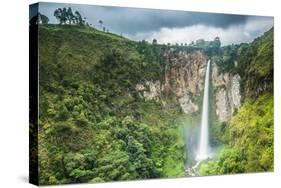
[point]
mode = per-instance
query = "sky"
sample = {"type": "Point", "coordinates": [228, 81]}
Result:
{"type": "Point", "coordinates": [168, 26]}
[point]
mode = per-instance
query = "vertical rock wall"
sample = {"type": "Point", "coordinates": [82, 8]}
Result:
{"type": "Point", "coordinates": [184, 77]}
{"type": "Point", "coordinates": [227, 93]}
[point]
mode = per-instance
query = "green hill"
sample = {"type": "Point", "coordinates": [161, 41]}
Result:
{"type": "Point", "coordinates": [94, 126]}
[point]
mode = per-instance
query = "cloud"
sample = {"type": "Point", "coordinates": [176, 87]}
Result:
{"type": "Point", "coordinates": [133, 20]}
{"type": "Point", "coordinates": [169, 26]}
{"type": "Point", "coordinates": [236, 33]}
{"type": "Point", "coordinates": [259, 24]}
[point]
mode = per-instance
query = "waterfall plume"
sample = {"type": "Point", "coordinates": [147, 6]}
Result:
{"type": "Point", "coordinates": [203, 149]}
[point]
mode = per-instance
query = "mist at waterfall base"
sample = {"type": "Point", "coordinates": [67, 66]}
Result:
{"type": "Point", "coordinates": [197, 133]}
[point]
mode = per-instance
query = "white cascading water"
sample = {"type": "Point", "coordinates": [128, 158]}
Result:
{"type": "Point", "coordinates": [203, 149]}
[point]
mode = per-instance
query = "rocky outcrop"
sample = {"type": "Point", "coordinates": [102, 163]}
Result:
{"type": "Point", "coordinates": [235, 91]}
{"type": "Point", "coordinates": [150, 90]}
{"type": "Point", "coordinates": [227, 93]}
{"type": "Point", "coordinates": [185, 78]}
{"type": "Point", "coordinates": [188, 106]}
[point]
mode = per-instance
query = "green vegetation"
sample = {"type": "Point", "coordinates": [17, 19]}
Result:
{"type": "Point", "coordinates": [250, 146]}
{"type": "Point", "coordinates": [66, 16]}
{"type": "Point", "coordinates": [95, 126]}
{"type": "Point", "coordinates": [248, 138]}
{"type": "Point", "coordinates": [254, 63]}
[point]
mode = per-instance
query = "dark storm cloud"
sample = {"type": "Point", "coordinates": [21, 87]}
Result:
{"type": "Point", "coordinates": [167, 25]}
{"type": "Point", "coordinates": [133, 20]}
{"type": "Point", "coordinates": [139, 20]}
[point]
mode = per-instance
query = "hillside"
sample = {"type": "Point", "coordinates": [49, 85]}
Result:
{"type": "Point", "coordinates": [91, 114]}
{"type": "Point", "coordinates": [115, 109]}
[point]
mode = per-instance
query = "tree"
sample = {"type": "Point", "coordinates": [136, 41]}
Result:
{"type": "Point", "coordinates": [58, 15]}
{"type": "Point", "coordinates": [70, 16]}
{"type": "Point", "coordinates": [200, 43]}
{"type": "Point", "coordinates": [66, 16]}
{"type": "Point", "coordinates": [100, 22]}
{"type": "Point", "coordinates": [79, 19]}
{"type": "Point", "coordinates": [42, 19]}
{"type": "Point", "coordinates": [217, 42]}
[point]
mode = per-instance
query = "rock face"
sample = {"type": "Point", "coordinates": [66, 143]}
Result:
{"type": "Point", "coordinates": [227, 93]}
{"type": "Point", "coordinates": [151, 90]}
{"type": "Point", "coordinates": [188, 106]}
{"type": "Point", "coordinates": [184, 79]}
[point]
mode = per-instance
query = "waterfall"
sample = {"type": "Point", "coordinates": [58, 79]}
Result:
{"type": "Point", "coordinates": [203, 149]}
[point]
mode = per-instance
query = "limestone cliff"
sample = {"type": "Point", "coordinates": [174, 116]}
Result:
{"type": "Point", "coordinates": [184, 78]}
{"type": "Point", "coordinates": [227, 93]}
{"type": "Point", "coordinates": [150, 90]}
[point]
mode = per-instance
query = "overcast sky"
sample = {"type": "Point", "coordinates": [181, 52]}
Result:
{"type": "Point", "coordinates": [168, 26]}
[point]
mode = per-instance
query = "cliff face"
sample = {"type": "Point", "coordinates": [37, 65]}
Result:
{"type": "Point", "coordinates": [150, 90]}
{"type": "Point", "coordinates": [184, 78]}
{"type": "Point", "coordinates": [227, 93]}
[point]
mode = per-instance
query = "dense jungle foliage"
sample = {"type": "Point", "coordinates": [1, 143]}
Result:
{"type": "Point", "coordinates": [94, 126]}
